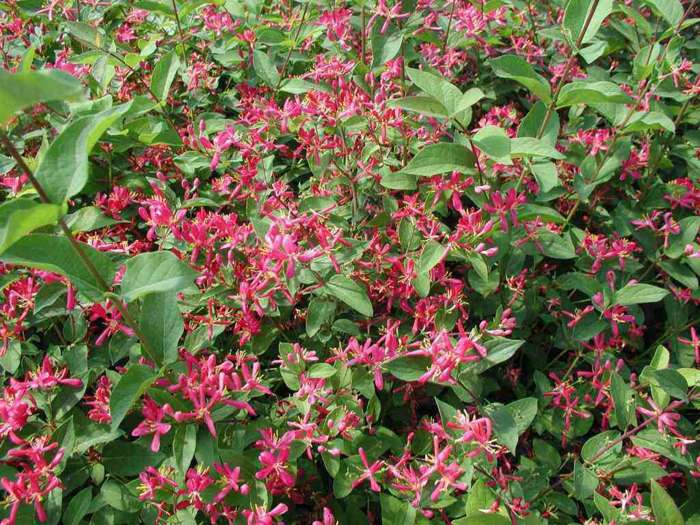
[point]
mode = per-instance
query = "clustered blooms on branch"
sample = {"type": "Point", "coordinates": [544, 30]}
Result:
{"type": "Point", "coordinates": [417, 262]}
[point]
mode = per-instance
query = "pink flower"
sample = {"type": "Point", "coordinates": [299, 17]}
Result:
{"type": "Point", "coordinates": [152, 424]}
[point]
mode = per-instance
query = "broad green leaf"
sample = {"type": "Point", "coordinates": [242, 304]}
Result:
{"type": "Point", "coordinates": [644, 121]}
{"type": "Point", "coordinates": [130, 387]}
{"type": "Point", "coordinates": [119, 497]}
{"type": "Point", "coordinates": [385, 46]}
{"type": "Point", "coordinates": [424, 105]}
{"type": "Point", "coordinates": [483, 519]}
{"type": "Point", "coordinates": [437, 87]}
{"type": "Point", "coordinates": [468, 99]}
{"type": "Point", "coordinates": [126, 458]}
{"type": "Point", "coordinates": [499, 349]}
{"type": "Point", "coordinates": [504, 426]}
{"type": "Point", "coordinates": [495, 143]}
{"type": "Point", "coordinates": [265, 68]}
{"type": "Point", "coordinates": [184, 444]}
{"type": "Point", "coordinates": [297, 86]}
{"type": "Point", "coordinates": [672, 382]}
{"type": "Point", "coordinates": [155, 272]}
{"type": "Point", "coordinates": [160, 322]}
{"type": "Point", "coordinates": [585, 482]}
{"type": "Point", "coordinates": [22, 90]}
{"type": "Point", "coordinates": [64, 168]}
{"type": "Point", "coordinates": [78, 507]}
{"type": "Point", "coordinates": [584, 92]}
{"type": "Point", "coordinates": [54, 253]}
{"type": "Point", "coordinates": [351, 293]}
{"type": "Point", "coordinates": [576, 14]}
{"type": "Point", "coordinates": [321, 371]}
{"type": "Point", "coordinates": [432, 254]}
{"type": "Point", "coordinates": [86, 33]}
{"type": "Point", "coordinates": [516, 68]}
{"type": "Point", "coordinates": [440, 158]}
{"type": "Point", "coordinates": [670, 10]}
{"type": "Point", "coordinates": [396, 511]}
{"type": "Point", "coordinates": [19, 217]}
{"type": "Point", "coordinates": [399, 180]}
{"type": "Point", "coordinates": [598, 449]}
{"type": "Point", "coordinates": [531, 124]}
{"type": "Point", "coordinates": [546, 176]}
{"type": "Point", "coordinates": [665, 510]}
{"type": "Point", "coordinates": [639, 293]}
{"type": "Point", "coordinates": [556, 246]}
{"type": "Point", "coordinates": [528, 212]}
{"type": "Point", "coordinates": [163, 74]}
{"type": "Point", "coordinates": [320, 312]}
{"type": "Point", "coordinates": [408, 368]}
{"type": "Point", "coordinates": [623, 397]}
{"type": "Point", "coordinates": [523, 411]}
{"type": "Point", "coordinates": [532, 147]}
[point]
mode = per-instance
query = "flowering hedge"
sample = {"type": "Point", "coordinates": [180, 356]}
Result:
{"type": "Point", "coordinates": [363, 262]}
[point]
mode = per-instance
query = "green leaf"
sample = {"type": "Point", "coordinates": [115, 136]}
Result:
{"type": "Point", "coordinates": [64, 168]}
{"type": "Point", "coordinates": [396, 511]}
{"type": "Point", "coordinates": [437, 87]}
{"type": "Point", "coordinates": [78, 507]}
{"type": "Point", "coordinates": [531, 124]}
{"type": "Point", "coordinates": [322, 371]}
{"type": "Point", "coordinates": [184, 445]}
{"type": "Point", "coordinates": [646, 120]}
{"type": "Point", "coordinates": [483, 519]}
{"type": "Point", "coordinates": [127, 458]}
{"type": "Point", "coordinates": [495, 143]}
{"type": "Point", "coordinates": [19, 217]}
{"type": "Point", "coordinates": [424, 105]}
{"type": "Point", "coordinates": [119, 497]}
{"type": "Point", "coordinates": [516, 68]}
{"type": "Point", "coordinates": [432, 254]}
{"type": "Point", "coordinates": [160, 323]}
{"type": "Point", "coordinates": [130, 387]}
{"type": "Point", "coordinates": [639, 293]}
{"type": "Point", "coordinates": [440, 158]}
{"type": "Point", "coordinates": [385, 46]}
{"type": "Point", "coordinates": [585, 482]}
{"type": "Point", "coordinates": [408, 368]}
{"type": "Point", "coordinates": [155, 272]}
{"type": "Point", "coordinates": [351, 293]}
{"type": "Point", "coordinates": [320, 312]}
{"type": "Point", "coordinates": [670, 10]}
{"type": "Point", "coordinates": [672, 382]}
{"type": "Point", "coordinates": [556, 246]}
{"type": "Point", "coordinates": [576, 14]}
{"type": "Point", "coordinates": [265, 68]}
{"type": "Point", "coordinates": [586, 92]}
{"type": "Point", "coordinates": [532, 147]}
{"type": "Point", "coordinates": [523, 411]}
{"type": "Point", "coordinates": [54, 253]}
{"type": "Point", "coordinates": [468, 99]}
{"type": "Point", "coordinates": [499, 349]}
{"type": "Point", "coordinates": [623, 397]}
{"type": "Point", "coordinates": [665, 510]}
{"type": "Point", "coordinates": [399, 180]}
{"type": "Point", "coordinates": [163, 74]}
{"type": "Point", "coordinates": [504, 426]}
{"type": "Point", "coordinates": [22, 90]}
{"type": "Point", "coordinates": [546, 176]}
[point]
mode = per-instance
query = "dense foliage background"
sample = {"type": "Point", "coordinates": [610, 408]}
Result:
{"type": "Point", "coordinates": [359, 262]}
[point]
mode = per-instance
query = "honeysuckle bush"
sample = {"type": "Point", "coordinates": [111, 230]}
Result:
{"type": "Point", "coordinates": [358, 262]}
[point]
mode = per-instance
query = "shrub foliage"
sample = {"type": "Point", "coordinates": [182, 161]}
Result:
{"type": "Point", "coordinates": [357, 262]}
